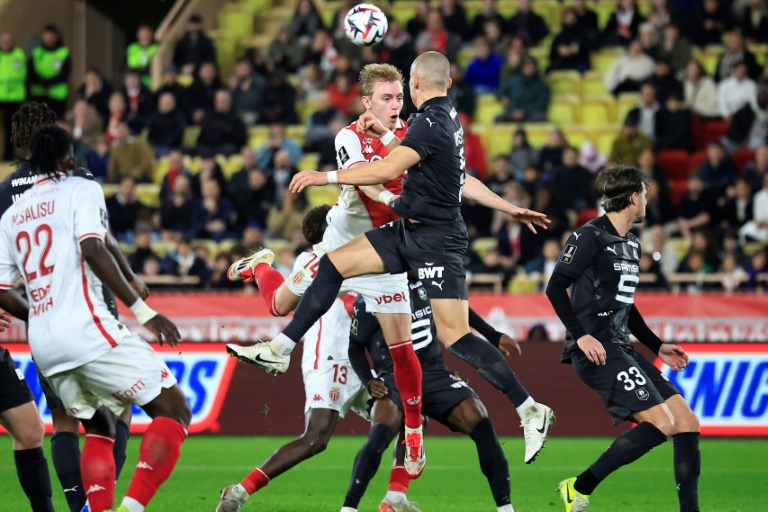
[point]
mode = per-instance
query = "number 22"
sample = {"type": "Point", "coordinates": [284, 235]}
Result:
{"type": "Point", "coordinates": [27, 239]}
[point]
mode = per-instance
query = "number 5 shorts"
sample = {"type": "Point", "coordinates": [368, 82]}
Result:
{"type": "Point", "coordinates": [624, 392]}
{"type": "Point", "coordinates": [323, 392]}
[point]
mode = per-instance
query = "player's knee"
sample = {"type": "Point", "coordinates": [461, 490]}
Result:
{"type": "Point", "coordinates": [316, 441]}
{"type": "Point", "coordinates": [686, 421]}
{"type": "Point", "coordinates": [30, 434]}
{"type": "Point", "coordinates": [665, 422]}
{"type": "Point", "coordinates": [62, 422]}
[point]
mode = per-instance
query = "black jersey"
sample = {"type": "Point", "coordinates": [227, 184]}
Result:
{"type": "Point", "coordinates": [366, 332]}
{"type": "Point", "coordinates": [606, 270]}
{"type": "Point", "coordinates": [433, 187]}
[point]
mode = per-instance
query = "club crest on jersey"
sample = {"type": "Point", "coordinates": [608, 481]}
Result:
{"type": "Point", "coordinates": [334, 394]}
{"type": "Point", "coordinates": [367, 150]}
{"type": "Point", "coordinates": [367, 140]}
{"type": "Point", "coordinates": [568, 253]}
{"type": "Point", "coordinates": [642, 394]}
{"type": "Point", "coordinates": [422, 294]}
{"type": "Point", "coordinates": [343, 155]}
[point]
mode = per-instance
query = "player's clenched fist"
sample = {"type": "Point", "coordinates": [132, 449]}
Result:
{"type": "Point", "coordinates": [306, 179]}
{"type": "Point", "coordinates": [164, 329]}
{"type": "Point", "coordinates": [369, 124]}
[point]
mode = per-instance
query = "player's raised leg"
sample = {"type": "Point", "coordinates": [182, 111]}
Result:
{"type": "Point", "coordinates": [396, 499]}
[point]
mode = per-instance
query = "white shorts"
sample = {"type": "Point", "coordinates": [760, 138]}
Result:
{"type": "Point", "coordinates": [336, 388]}
{"type": "Point", "coordinates": [130, 373]}
{"type": "Point", "coordinates": [383, 293]}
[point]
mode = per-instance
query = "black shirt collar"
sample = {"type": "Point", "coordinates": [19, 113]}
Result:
{"type": "Point", "coordinates": [437, 100]}
{"type": "Point", "coordinates": [606, 224]}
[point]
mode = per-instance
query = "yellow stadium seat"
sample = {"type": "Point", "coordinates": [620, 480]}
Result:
{"type": "Point", "coordinates": [403, 13]}
{"type": "Point", "coordinates": [296, 132]}
{"type": "Point", "coordinates": [625, 102]}
{"type": "Point", "coordinates": [148, 194]}
{"type": "Point", "coordinates": [488, 107]}
{"type": "Point", "coordinates": [318, 196]}
{"type": "Point", "coordinates": [498, 139]}
{"type": "Point", "coordinates": [465, 56]}
{"type": "Point", "coordinates": [257, 6]}
{"type": "Point", "coordinates": [596, 113]}
{"type": "Point", "coordinates": [191, 133]}
{"type": "Point", "coordinates": [308, 162]}
{"type": "Point", "coordinates": [603, 138]}
{"type": "Point", "coordinates": [541, 54]}
{"type": "Point", "coordinates": [210, 245]}
{"type": "Point", "coordinates": [110, 189]}
{"type": "Point", "coordinates": [710, 57]}
{"type": "Point", "coordinates": [236, 20]}
{"type": "Point", "coordinates": [760, 51]}
{"type": "Point", "coordinates": [592, 85]}
{"type": "Point", "coordinates": [576, 135]}
{"type": "Point", "coordinates": [160, 170]}
{"type": "Point", "coordinates": [306, 108]}
{"type": "Point", "coordinates": [257, 135]}
{"type": "Point", "coordinates": [604, 9]}
{"type": "Point", "coordinates": [564, 82]}
{"type": "Point", "coordinates": [564, 110]}
{"type": "Point", "coordinates": [550, 11]}
{"type": "Point", "coordinates": [233, 164]}
{"type": "Point", "coordinates": [644, 6]}
{"type": "Point", "coordinates": [327, 15]}
{"type": "Point", "coordinates": [602, 59]}
{"type": "Point", "coordinates": [538, 134]}
{"type": "Point", "coordinates": [193, 164]}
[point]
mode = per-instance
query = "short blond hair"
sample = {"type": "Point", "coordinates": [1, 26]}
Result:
{"type": "Point", "coordinates": [373, 73]}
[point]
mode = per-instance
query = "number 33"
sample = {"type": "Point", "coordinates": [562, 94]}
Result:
{"type": "Point", "coordinates": [629, 381]}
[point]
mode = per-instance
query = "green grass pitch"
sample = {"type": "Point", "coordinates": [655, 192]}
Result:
{"type": "Point", "coordinates": [733, 477]}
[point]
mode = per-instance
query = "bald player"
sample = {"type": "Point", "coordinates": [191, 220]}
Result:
{"type": "Point", "coordinates": [430, 239]}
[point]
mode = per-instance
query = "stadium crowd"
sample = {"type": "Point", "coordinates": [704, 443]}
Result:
{"type": "Point", "coordinates": [197, 167]}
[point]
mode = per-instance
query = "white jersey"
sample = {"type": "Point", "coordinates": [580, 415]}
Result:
{"type": "Point", "coordinates": [69, 323]}
{"type": "Point", "coordinates": [355, 213]}
{"type": "Point", "coordinates": [326, 343]}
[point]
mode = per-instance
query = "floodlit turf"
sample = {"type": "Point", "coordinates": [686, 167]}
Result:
{"type": "Point", "coordinates": [733, 477]}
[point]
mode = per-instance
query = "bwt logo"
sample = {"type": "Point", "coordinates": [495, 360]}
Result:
{"type": "Point", "coordinates": [431, 272]}
{"type": "Point", "coordinates": [388, 299]}
{"type": "Point", "coordinates": [728, 390]}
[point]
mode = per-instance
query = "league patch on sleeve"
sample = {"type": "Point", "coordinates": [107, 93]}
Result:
{"type": "Point", "coordinates": [343, 155]}
{"type": "Point", "coordinates": [104, 218]}
{"type": "Point", "coordinates": [568, 253]}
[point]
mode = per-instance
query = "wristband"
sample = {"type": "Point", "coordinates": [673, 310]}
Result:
{"type": "Point", "coordinates": [386, 196]}
{"type": "Point", "coordinates": [333, 176]}
{"type": "Point", "coordinates": [387, 137]}
{"type": "Point", "coordinates": [143, 312]}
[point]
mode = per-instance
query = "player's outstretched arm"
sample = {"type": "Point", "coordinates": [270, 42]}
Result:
{"type": "Point", "coordinates": [135, 281]}
{"type": "Point", "coordinates": [105, 267]}
{"type": "Point", "coordinates": [373, 173]}
{"type": "Point", "coordinates": [475, 189]}
{"type": "Point", "coordinates": [496, 338]}
{"type": "Point", "coordinates": [14, 304]}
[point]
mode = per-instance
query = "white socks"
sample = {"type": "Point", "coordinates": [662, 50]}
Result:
{"type": "Point", "coordinates": [521, 411]}
{"type": "Point", "coordinates": [505, 508]}
{"type": "Point", "coordinates": [396, 497]}
{"type": "Point", "coordinates": [132, 505]}
{"type": "Point", "coordinates": [282, 345]}
{"type": "Point", "coordinates": [348, 509]}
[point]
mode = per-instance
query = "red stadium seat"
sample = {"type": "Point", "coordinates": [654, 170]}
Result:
{"type": "Point", "coordinates": [674, 163]}
{"type": "Point", "coordinates": [740, 157]}
{"type": "Point", "coordinates": [586, 216]}
{"type": "Point", "coordinates": [677, 190]}
{"type": "Point", "coordinates": [716, 130]}
{"type": "Point", "coordinates": [699, 132]}
{"type": "Point", "coordinates": [695, 160]}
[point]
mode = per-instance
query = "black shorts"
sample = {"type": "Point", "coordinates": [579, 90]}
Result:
{"type": "Point", "coordinates": [627, 383]}
{"type": "Point", "coordinates": [436, 255]}
{"type": "Point", "coordinates": [441, 391]}
{"type": "Point", "coordinates": [53, 400]}
{"type": "Point", "coordinates": [14, 390]}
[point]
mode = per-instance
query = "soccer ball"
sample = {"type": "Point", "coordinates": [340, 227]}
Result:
{"type": "Point", "coordinates": [365, 25]}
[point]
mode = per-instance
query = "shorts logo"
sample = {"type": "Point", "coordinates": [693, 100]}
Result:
{"type": "Point", "coordinates": [414, 401]}
{"type": "Point", "coordinates": [130, 392]}
{"type": "Point", "coordinates": [343, 155]}
{"type": "Point", "coordinates": [19, 374]}
{"type": "Point", "coordinates": [568, 253]}
{"type": "Point", "coordinates": [317, 398]}
{"type": "Point", "coordinates": [431, 272]}
{"type": "Point", "coordinates": [439, 285]}
{"type": "Point", "coordinates": [642, 394]}
{"type": "Point", "coordinates": [334, 394]}
{"type": "Point", "coordinates": [388, 299]}
{"type": "Point", "coordinates": [423, 293]}
{"type": "Point", "coordinates": [296, 278]}
{"type": "Point", "coordinates": [144, 465]}
{"type": "Point", "coordinates": [164, 374]}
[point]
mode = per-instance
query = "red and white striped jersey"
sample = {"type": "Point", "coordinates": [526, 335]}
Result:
{"type": "Point", "coordinates": [355, 213]}
{"type": "Point", "coordinates": [69, 322]}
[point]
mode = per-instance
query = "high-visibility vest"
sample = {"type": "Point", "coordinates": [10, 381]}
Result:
{"type": "Point", "coordinates": [138, 57]}
{"type": "Point", "coordinates": [48, 64]}
{"type": "Point", "coordinates": [13, 76]}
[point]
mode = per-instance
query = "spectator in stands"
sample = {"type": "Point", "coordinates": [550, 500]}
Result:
{"type": "Point", "coordinates": [623, 25]}
{"type": "Point", "coordinates": [527, 24]}
{"type": "Point", "coordinates": [252, 191]}
{"type": "Point", "coordinates": [673, 130]}
{"type": "Point", "coordinates": [138, 55]}
{"type": "Point", "coordinates": [757, 228]}
{"type": "Point", "coordinates": [247, 88]}
{"type": "Point", "coordinates": [311, 83]}
{"type": "Point", "coordinates": [436, 38]}
{"type": "Point", "coordinates": [570, 48]}
{"type": "Point", "coordinates": [551, 155]}
{"type": "Point", "coordinates": [516, 56]}
{"type": "Point", "coordinates": [754, 22]}
{"type": "Point", "coordinates": [85, 122]}
{"type": "Point", "coordinates": [454, 18]}
{"type": "Point", "coordinates": [327, 151]}
{"type": "Point", "coordinates": [493, 31]}
{"type": "Point", "coordinates": [201, 93]}
{"type": "Point", "coordinates": [418, 23]}
{"type": "Point", "coordinates": [48, 70]}
{"type": "Point", "coordinates": [142, 251]}
{"type": "Point", "coordinates": [484, 70]}
{"type": "Point", "coordinates": [286, 215]}
{"type": "Point", "coordinates": [277, 140]}
{"type": "Point", "coordinates": [462, 95]}
{"type": "Point", "coordinates": [647, 111]}
{"type": "Point", "coordinates": [656, 243]}
{"type": "Point", "coordinates": [279, 101]}
{"type": "Point", "coordinates": [123, 209]}
{"type": "Point", "coordinates": [694, 263]}
{"type": "Point", "coordinates": [663, 14]}
{"type": "Point", "coordinates": [525, 97]}
{"type": "Point", "coordinates": [709, 24]}
{"type": "Point", "coordinates": [319, 130]}
{"type": "Point", "coordinates": [571, 183]}
{"type": "Point", "coordinates": [718, 171]}
{"type": "Point", "coordinates": [171, 85]}
{"type": "Point", "coordinates": [344, 93]}
{"type": "Point", "coordinates": [139, 101]}
{"type": "Point", "coordinates": [749, 125]}
{"type": "Point", "coordinates": [284, 51]}
{"type": "Point", "coordinates": [184, 262]}
{"type": "Point", "coordinates": [523, 154]}
{"type": "Point", "coordinates": [738, 207]}
{"type": "Point", "coordinates": [305, 22]}
{"type": "Point", "coordinates": [474, 152]}
{"type": "Point", "coordinates": [628, 73]}
{"type": "Point", "coordinates": [628, 146]}
{"type": "Point", "coordinates": [222, 131]}
{"type": "Point", "coordinates": [587, 22]}
{"type": "Point", "coordinates": [515, 246]}
{"type": "Point", "coordinates": [649, 38]}
{"type": "Point", "coordinates": [664, 81]}
{"type": "Point", "coordinates": [194, 48]}
{"type": "Point", "coordinates": [537, 334]}
{"type": "Point", "coordinates": [165, 130]}
{"type": "Point", "coordinates": [757, 168]}
{"type": "Point", "coordinates": [282, 170]}
{"type": "Point", "coordinates": [130, 156]}
{"type": "Point", "coordinates": [703, 241]}
{"type": "Point", "coordinates": [696, 209]}
{"type": "Point", "coordinates": [219, 279]}
{"type": "Point", "coordinates": [540, 268]}
{"type": "Point", "coordinates": [735, 91]}
{"type": "Point", "coordinates": [321, 52]}
{"type": "Point", "coordinates": [501, 176]}
{"type": "Point", "coordinates": [736, 52]}
{"type": "Point", "coordinates": [97, 159]}
{"type": "Point", "coordinates": [176, 168]}
{"type": "Point", "coordinates": [210, 170]}
{"type": "Point", "coordinates": [658, 198]}
{"type": "Point", "coordinates": [733, 274]}
{"type": "Point", "coordinates": [399, 46]}
{"type": "Point", "coordinates": [96, 91]}
{"type": "Point", "coordinates": [488, 12]}
{"type": "Point", "coordinates": [176, 210]}
{"type": "Point", "coordinates": [212, 214]}
{"type": "Point", "coordinates": [590, 157]}
{"type": "Point", "coordinates": [758, 265]}
{"type": "Point", "coordinates": [731, 245]}
{"type": "Point", "coordinates": [700, 91]}
{"type": "Point", "coordinates": [674, 48]}
{"type": "Point", "coordinates": [652, 268]}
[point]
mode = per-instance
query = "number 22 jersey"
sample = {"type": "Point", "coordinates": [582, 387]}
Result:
{"type": "Point", "coordinates": [69, 322]}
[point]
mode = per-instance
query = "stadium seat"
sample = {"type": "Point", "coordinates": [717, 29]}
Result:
{"type": "Point", "coordinates": [148, 194]}
{"type": "Point", "coordinates": [541, 54]}
{"type": "Point", "coordinates": [465, 56]}
{"type": "Point", "coordinates": [538, 134]}
{"type": "Point", "coordinates": [677, 190]}
{"type": "Point", "coordinates": [257, 5]}
{"type": "Point", "coordinates": [210, 245]}
{"type": "Point", "coordinates": [604, 9]}
{"type": "Point", "coordinates": [740, 157]}
{"type": "Point", "coordinates": [760, 51]}
{"type": "Point", "coordinates": [483, 246]}
{"type": "Point", "coordinates": [550, 11]}
{"type": "Point", "coordinates": [699, 133]}
{"type": "Point", "coordinates": [488, 107]}
{"type": "Point", "coordinates": [603, 138]}
{"type": "Point", "coordinates": [226, 51]}
{"type": "Point", "coordinates": [327, 194]}
{"type": "Point", "coordinates": [585, 216]}
{"type": "Point", "coordinates": [257, 135]}
{"type": "Point", "coordinates": [674, 164]}
{"type": "Point", "coordinates": [624, 103]}
{"type": "Point", "coordinates": [308, 161]}
{"type": "Point", "coordinates": [236, 20]}
{"type": "Point", "coordinates": [160, 170]}
{"type": "Point", "coordinates": [564, 83]}
{"type": "Point", "coordinates": [162, 248]}
{"type": "Point", "coordinates": [709, 58]}
{"type": "Point", "coordinates": [576, 135]}
{"type": "Point", "coordinates": [232, 164]}
{"type": "Point", "coordinates": [296, 132]}
{"type": "Point", "coordinates": [402, 12]}
{"type": "Point", "coordinates": [592, 85]}
{"type": "Point", "coordinates": [564, 110]}
{"type": "Point", "coordinates": [596, 113]}
{"type": "Point", "coordinates": [602, 59]}
{"type": "Point", "coordinates": [695, 160]}
{"type": "Point", "coordinates": [498, 139]}
{"type": "Point", "coordinates": [716, 130]}
{"type": "Point", "coordinates": [191, 133]}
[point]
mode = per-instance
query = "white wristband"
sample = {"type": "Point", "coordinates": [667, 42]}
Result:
{"type": "Point", "coordinates": [385, 196]}
{"type": "Point", "coordinates": [143, 312]}
{"type": "Point", "coordinates": [333, 176]}
{"type": "Point", "coordinates": [387, 138]}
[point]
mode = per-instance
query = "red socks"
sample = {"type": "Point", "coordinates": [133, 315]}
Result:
{"type": "Point", "coordinates": [408, 380]}
{"type": "Point", "coordinates": [268, 280]}
{"type": "Point", "coordinates": [97, 467]}
{"type": "Point", "coordinates": [158, 454]}
{"type": "Point", "coordinates": [399, 480]}
{"type": "Point", "coordinates": [256, 479]}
